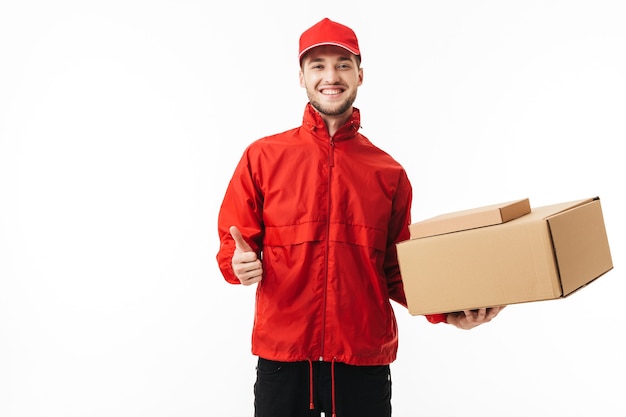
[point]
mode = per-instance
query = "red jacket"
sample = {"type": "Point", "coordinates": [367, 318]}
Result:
{"type": "Point", "coordinates": [325, 214]}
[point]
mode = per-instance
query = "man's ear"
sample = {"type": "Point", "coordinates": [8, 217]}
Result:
{"type": "Point", "coordinates": [301, 78]}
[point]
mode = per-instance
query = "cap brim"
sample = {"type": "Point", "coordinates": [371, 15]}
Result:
{"type": "Point", "coordinates": [304, 51]}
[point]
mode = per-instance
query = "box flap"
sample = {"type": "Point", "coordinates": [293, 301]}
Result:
{"type": "Point", "coordinates": [553, 209]}
{"type": "Point", "coordinates": [581, 245]}
{"type": "Point", "coordinates": [470, 219]}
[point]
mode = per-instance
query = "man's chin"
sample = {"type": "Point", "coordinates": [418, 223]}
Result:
{"type": "Point", "coordinates": [331, 110]}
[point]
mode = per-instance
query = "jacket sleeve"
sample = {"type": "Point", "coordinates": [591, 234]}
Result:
{"type": "Point", "coordinates": [242, 206]}
{"type": "Point", "coordinates": [398, 232]}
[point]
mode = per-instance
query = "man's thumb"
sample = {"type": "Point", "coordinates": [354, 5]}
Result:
{"type": "Point", "coordinates": [239, 240]}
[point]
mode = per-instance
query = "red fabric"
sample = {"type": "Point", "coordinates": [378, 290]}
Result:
{"type": "Point", "coordinates": [437, 318]}
{"type": "Point", "coordinates": [327, 32]}
{"type": "Point", "coordinates": [326, 215]}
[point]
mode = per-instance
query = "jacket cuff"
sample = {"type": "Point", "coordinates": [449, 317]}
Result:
{"type": "Point", "coordinates": [437, 318]}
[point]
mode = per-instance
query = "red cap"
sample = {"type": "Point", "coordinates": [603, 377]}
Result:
{"type": "Point", "coordinates": [327, 32]}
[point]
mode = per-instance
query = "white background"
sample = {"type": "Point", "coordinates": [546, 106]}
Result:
{"type": "Point", "coordinates": [121, 123]}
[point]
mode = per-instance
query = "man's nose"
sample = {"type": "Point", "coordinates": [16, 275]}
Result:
{"type": "Point", "coordinates": [331, 75]}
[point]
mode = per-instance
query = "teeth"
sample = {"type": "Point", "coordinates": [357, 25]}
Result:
{"type": "Point", "coordinates": [331, 92]}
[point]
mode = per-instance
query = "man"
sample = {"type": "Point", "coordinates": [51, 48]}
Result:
{"type": "Point", "coordinates": [313, 215]}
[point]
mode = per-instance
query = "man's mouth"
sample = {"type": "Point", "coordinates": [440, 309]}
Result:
{"type": "Point", "coordinates": [331, 91]}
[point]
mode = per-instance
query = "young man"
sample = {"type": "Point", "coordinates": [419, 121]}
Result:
{"type": "Point", "coordinates": [313, 215]}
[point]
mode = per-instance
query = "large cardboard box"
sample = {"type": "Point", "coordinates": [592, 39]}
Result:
{"type": "Point", "coordinates": [546, 254]}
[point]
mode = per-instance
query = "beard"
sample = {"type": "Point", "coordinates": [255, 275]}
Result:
{"type": "Point", "coordinates": [334, 110]}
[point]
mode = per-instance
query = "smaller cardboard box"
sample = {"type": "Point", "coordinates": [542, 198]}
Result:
{"type": "Point", "coordinates": [470, 219]}
{"type": "Point", "coordinates": [548, 253]}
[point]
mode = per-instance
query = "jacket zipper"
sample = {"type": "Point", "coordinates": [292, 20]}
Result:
{"type": "Point", "coordinates": [331, 163]}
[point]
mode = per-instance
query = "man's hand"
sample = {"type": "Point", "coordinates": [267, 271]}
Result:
{"type": "Point", "coordinates": [468, 319]}
{"type": "Point", "coordinates": [246, 266]}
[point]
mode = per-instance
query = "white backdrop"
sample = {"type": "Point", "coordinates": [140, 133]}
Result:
{"type": "Point", "coordinates": [121, 123]}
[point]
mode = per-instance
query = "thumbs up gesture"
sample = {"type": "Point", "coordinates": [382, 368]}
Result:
{"type": "Point", "coordinates": [246, 265]}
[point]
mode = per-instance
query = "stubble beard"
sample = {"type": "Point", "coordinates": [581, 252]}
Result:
{"type": "Point", "coordinates": [336, 110]}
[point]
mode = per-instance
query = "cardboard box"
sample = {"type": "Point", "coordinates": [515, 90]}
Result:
{"type": "Point", "coordinates": [470, 219]}
{"type": "Point", "coordinates": [546, 254]}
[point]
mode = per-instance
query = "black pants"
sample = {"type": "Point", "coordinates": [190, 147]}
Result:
{"type": "Point", "coordinates": [283, 389]}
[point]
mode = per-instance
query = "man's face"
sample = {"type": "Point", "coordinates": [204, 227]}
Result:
{"type": "Point", "coordinates": [331, 76]}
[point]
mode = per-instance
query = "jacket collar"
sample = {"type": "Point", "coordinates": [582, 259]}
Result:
{"type": "Point", "coordinates": [313, 122]}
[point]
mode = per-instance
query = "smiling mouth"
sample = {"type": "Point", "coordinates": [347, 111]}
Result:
{"type": "Point", "coordinates": [331, 91]}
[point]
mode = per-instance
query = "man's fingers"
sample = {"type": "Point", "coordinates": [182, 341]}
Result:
{"type": "Point", "coordinates": [476, 314]}
{"type": "Point", "coordinates": [494, 311]}
{"type": "Point", "coordinates": [468, 319]}
{"type": "Point", "coordinates": [472, 313]}
{"type": "Point", "coordinates": [250, 278]}
{"type": "Point", "coordinates": [239, 240]}
{"type": "Point", "coordinates": [246, 266]}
